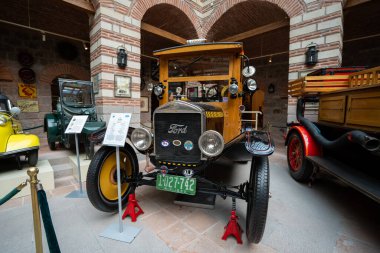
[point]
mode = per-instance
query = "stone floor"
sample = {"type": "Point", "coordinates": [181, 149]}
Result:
{"type": "Point", "coordinates": [327, 217]}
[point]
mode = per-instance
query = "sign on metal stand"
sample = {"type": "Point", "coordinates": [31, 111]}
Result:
{"type": "Point", "coordinates": [75, 127]}
{"type": "Point", "coordinates": [115, 136]}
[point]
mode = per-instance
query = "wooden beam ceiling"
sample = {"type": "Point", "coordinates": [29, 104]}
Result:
{"type": "Point", "coordinates": [84, 5]}
{"type": "Point", "coordinates": [162, 33]}
{"type": "Point", "coordinates": [352, 3]}
{"type": "Point", "coordinates": [257, 31]}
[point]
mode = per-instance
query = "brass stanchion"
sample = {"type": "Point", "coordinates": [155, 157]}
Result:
{"type": "Point", "coordinates": [32, 172]}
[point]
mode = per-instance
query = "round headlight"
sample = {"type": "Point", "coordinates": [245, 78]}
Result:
{"type": "Point", "coordinates": [141, 138]}
{"type": "Point", "coordinates": [157, 90]}
{"type": "Point", "coordinates": [150, 87]}
{"type": "Point", "coordinates": [248, 71]}
{"type": "Point", "coordinates": [211, 143]}
{"type": "Point", "coordinates": [251, 84]}
{"type": "Point", "coordinates": [3, 120]}
{"type": "Point", "coordinates": [233, 88]}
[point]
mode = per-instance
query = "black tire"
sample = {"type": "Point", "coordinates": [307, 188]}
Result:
{"type": "Point", "coordinates": [66, 143]}
{"type": "Point", "coordinates": [52, 145]}
{"type": "Point", "coordinates": [103, 160]}
{"type": "Point", "coordinates": [299, 167]}
{"type": "Point", "coordinates": [258, 198]}
{"type": "Point", "coordinates": [33, 157]}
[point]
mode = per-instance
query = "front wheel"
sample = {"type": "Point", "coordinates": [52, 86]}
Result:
{"type": "Point", "coordinates": [102, 177]}
{"type": "Point", "coordinates": [257, 198]}
{"type": "Point", "coordinates": [33, 157]}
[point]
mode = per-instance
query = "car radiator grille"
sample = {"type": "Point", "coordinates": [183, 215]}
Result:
{"type": "Point", "coordinates": [163, 122]}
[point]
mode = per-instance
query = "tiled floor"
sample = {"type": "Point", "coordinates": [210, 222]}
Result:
{"type": "Point", "coordinates": [325, 218]}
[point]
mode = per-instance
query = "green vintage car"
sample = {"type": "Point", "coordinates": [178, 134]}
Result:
{"type": "Point", "coordinates": [75, 98]}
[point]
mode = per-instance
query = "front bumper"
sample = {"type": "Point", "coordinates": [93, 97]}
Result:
{"type": "Point", "coordinates": [17, 152]}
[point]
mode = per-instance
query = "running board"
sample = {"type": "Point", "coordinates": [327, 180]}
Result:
{"type": "Point", "coordinates": [365, 184]}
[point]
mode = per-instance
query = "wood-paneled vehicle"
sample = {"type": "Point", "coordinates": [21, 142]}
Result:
{"type": "Point", "coordinates": [345, 140]}
{"type": "Point", "coordinates": [14, 142]}
{"type": "Point", "coordinates": [75, 98]}
{"type": "Point", "coordinates": [209, 84]}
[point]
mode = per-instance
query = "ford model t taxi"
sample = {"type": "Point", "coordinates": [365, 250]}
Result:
{"type": "Point", "coordinates": [203, 90]}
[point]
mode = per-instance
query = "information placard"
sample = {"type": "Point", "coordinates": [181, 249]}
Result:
{"type": "Point", "coordinates": [76, 124]}
{"type": "Point", "coordinates": [117, 129]}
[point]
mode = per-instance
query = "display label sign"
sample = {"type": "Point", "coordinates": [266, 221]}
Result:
{"type": "Point", "coordinates": [76, 124]}
{"type": "Point", "coordinates": [117, 129]}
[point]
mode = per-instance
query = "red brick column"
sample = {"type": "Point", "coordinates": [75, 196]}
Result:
{"type": "Point", "coordinates": [117, 23]}
{"type": "Point", "coordinates": [321, 23]}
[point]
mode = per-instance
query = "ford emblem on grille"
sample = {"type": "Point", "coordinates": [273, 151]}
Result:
{"type": "Point", "coordinates": [188, 145]}
{"type": "Point", "coordinates": [165, 143]}
{"type": "Point", "coordinates": [177, 143]}
{"type": "Point", "coordinates": [177, 129]}
{"type": "Point", "coordinates": [188, 173]}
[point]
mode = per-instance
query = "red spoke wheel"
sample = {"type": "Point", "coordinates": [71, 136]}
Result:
{"type": "Point", "coordinates": [300, 168]}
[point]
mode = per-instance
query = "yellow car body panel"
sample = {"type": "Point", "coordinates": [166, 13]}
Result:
{"type": "Point", "coordinates": [5, 132]}
{"type": "Point", "coordinates": [22, 141]}
{"type": "Point", "coordinates": [12, 141]}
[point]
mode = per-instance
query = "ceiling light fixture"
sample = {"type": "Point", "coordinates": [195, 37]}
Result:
{"type": "Point", "coordinates": [85, 45]}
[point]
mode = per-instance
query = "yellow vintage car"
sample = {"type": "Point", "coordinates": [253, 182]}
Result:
{"type": "Point", "coordinates": [15, 143]}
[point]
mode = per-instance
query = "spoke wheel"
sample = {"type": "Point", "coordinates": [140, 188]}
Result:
{"type": "Point", "coordinates": [300, 168]}
{"type": "Point", "coordinates": [257, 199]}
{"type": "Point", "coordinates": [102, 177]}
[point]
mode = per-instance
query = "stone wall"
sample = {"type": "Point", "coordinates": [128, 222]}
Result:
{"type": "Point", "coordinates": [47, 65]}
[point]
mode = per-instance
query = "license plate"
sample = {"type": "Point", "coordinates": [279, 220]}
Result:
{"type": "Point", "coordinates": [177, 184]}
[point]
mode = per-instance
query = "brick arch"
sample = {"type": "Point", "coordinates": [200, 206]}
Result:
{"type": "Point", "coordinates": [5, 73]}
{"type": "Point", "coordinates": [291, 7]}
{"type": "Point", "coordinates": [139, 8]}
{"type": "Point", "coordinates": [52, 71]}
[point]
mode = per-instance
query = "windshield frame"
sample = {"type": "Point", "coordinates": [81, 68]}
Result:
{"type": "Point", "coordinates": [185, 79]}
{"type": "Point", "coordinates": [67, 82]}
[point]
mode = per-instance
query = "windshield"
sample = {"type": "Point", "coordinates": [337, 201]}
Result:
{"type": "Point", "coordinates": [204, 65]}
{"type": "Point", "coordinates": [4, 104]}
{"type": "Point", "coordinates": [77, 94]}
{"type": "Point", "coordinates": [199, 78]}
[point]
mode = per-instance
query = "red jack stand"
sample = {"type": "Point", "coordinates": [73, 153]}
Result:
{"type": "Point", "coordinates": [131, 208]}
{"type": "Point", "coordinates": [233, 227]}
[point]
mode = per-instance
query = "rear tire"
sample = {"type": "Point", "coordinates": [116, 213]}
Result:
{"type": "Point", "coordinates": [257, 199]}
{"type": "Point", "coordinates": [299, 167]}
{"type": "Point", "coordinates": [33, 157]}
{"type": "Point", "coordinates": [102, 180]}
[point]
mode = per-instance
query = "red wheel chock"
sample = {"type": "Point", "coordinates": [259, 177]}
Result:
{"type": "Point", "coordinates": [233, 228]}
{"type": "Point", "coordinates": [131, 208]}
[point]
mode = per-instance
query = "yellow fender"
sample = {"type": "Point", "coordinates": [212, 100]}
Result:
{"type": "Point", "coordinates": [22, 141]}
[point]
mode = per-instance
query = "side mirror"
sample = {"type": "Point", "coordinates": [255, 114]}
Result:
{"type": "Point", "coordinates": [15, 111]}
